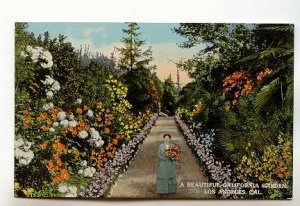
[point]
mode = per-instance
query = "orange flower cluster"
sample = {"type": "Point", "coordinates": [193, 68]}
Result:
{"type": "Point", "coordinates": [274, 165]}
{"type": "Point", "coordinates": [263, 74]}
{"type": "Point", "coordinates": [26, 112]}
{"type": "Point", "coordinates": [43, 145]}
{"type": "Point", "coordinates": [26, 122]}
{"type": "Point", "coordinates": [77, 154]}
{"type": "Point", "coordinates": [240, 80]}
{"type": "Point", "coordinates": [100, 156]}
{"type": "Point", "coordinates": [241, 83]}
{"type": "Point", "coordinates": [47, 120]}
{"type": "Point", "coordinates": [83, 125]}
{"type": "Point", "coordinates": [43, 116]}
{"type": "Point", "coordinates": [79, 111]}
{"type": "Point", "coordinates": [115, 141]}
{"type": "Point", "coordinates": [173, 152]}
{"type": "Point", "coordinates": [61, 174]}
{"type": "Point", "coordinates": [72, 130]}
{"type": "Point", "coordinates": [45, 128]}
{"type": "Point", "coordinates": [27, 118]}
{"type": "Point", "coordinates": [110, 149]}
{"type": "Point", "coordinates": [54, 112]}
{"type": "Point", "coordinates": [85, 107]}
{"type": "Point", "coordinates": [59, 147]}
{"type": "Point", "coordinates": [106, 130]}
{"type": "Point", "coordinates": [197, 109]}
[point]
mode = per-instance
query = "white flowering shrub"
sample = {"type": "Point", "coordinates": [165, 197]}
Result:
{"type": "Point", "coordinates": [23, 154]}
{"type": "Point", "coordinates": [67, 190]}
{"type": "Point", "coordinates": [87, 171]}
{"type": "Point", "coordinates": [38, 55]}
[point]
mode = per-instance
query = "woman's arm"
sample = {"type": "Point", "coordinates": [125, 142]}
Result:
{"type": "Point", "coordinates": [161, 155]}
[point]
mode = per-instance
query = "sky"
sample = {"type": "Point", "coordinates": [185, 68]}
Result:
{"type": "Point", "coordinates": [103, 37]}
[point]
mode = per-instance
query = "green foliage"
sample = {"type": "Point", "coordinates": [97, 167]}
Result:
{"type": "Point", "coordinates": [223, 45]}
{"type": "Point", "coordinates": [131, 55]}
{"type": "Point", "coordinates": [24, 71]}
{"type": "Point", "coordinates": [66, 68]}
{"type": "Point", "coordinates": [190, 91]}
{"type": "Point", "coordinates": [169, 97]}
{"type": "Point", "coordinates": [256, 118]}
{"type": "Point", "coordinates": [264, 98]}
{"type": "Point", "coordinates": [92, 82]}
{"type": "Point", "coordinates": [144, 90]}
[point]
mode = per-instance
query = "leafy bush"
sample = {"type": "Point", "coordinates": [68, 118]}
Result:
{"type": "Point", "coordinates": [64, 136]}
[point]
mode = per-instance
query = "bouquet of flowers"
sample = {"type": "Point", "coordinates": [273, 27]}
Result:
{"type": "Point", "coordinates": [173, 152]}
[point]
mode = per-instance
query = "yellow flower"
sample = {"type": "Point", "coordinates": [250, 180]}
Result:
{"type": "Point", "coordinates": [244, 159]}
{"type": "Point", "coordinates": [287, 143]}
{"type": "Point", "coordinates": [280, 139]}
{"type": "Point", "coordinates": [28, 192]}
{"type": "Point", "coordinates": [17, 186]}
{"type": "Point", "coordinates": [99, 105]}
{"type": "Point", "coordinates": [261, 177]}
{"type": "Point", "coordinates": [227, 107]}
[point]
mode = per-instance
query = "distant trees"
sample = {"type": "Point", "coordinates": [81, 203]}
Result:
{"type": "Point", "coordinates": [144, 90]}
{"type": "Point", "coordinates": [169, 96]}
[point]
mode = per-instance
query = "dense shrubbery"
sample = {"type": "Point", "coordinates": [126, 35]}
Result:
{"type": "Point", "coordinates": [243, 90]}
{"type": "Point", "coordinates": [71, 122]}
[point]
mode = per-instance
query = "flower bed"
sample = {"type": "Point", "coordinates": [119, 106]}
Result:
{"type": "Point", "coordinates": [107, 175]}
{"type": "Point", "coordinates": [60, 151]}
{"type": "Point", "coordinates": [162, 114]}
{"type": "Point", "coordinates": [217, 171]}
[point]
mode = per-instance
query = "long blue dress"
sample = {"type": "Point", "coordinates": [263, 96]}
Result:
{"type": "Point", "coordinates": [166, 172]}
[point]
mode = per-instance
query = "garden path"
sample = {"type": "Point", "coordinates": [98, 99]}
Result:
{"type": "Point", "coordinates": [139, 181]}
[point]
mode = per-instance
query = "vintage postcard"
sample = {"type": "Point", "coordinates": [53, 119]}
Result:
{"type": "Point", "coordinates": [153, 110]}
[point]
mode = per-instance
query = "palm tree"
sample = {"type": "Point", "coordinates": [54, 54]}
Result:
{"type": "Point", "coordinates": [276, 51]}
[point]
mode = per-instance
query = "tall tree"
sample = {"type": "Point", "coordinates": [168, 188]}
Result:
{"type": "Point", "coordinates": [143, 88]}
{"type": "Point", "coordinates": [132, 56]}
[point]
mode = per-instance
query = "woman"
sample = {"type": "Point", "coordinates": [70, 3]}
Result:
{"type": "Point", "coordinates": [166, 170]}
